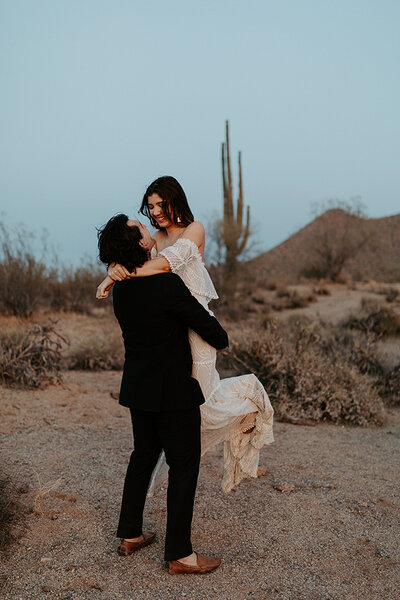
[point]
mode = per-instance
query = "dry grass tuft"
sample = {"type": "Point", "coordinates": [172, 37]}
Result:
{"type": "Point", "coordinates": [30, 357]}
{"type": "Point", "coordinates": [43, 490]}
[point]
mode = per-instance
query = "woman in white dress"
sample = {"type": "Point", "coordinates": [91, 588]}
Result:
{"type": "Point", "coordinates": [237, 410]}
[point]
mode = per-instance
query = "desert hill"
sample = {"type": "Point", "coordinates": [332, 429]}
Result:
{"type": "Point", "coordinates": [362, 248]}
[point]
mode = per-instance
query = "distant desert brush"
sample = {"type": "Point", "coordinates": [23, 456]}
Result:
{"type": "Point", "coordinates": [100, 352]}
{"type": "Point", "coordinates": [30, 357]}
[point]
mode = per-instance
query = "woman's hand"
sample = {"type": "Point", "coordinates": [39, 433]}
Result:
{"type": "Point", "coordinates": [118, 272]}
{"type": "Point", "coordinates": [104, 288]}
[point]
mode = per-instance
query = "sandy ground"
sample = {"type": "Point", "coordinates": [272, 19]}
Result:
{"type": "Point", "coordinates": [333, 534]}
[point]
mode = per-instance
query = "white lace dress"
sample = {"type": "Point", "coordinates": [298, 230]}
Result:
{"type": "Point", "coordinates": [232, 405]}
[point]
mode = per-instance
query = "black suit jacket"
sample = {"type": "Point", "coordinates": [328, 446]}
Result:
{"type": "Point", "coordinates": [154, 314]}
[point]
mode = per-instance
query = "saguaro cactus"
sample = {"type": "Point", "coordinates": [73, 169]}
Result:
{"type": "Point", "coordinates": [234, 232]}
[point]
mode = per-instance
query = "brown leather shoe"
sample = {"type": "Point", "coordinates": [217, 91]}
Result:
{"type": "Point", "coordinates": [205, 564]}
{"type": "Point", "coordinates": [126, 548]}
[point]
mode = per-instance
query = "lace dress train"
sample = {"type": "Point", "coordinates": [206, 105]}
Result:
{"type": "Point", "coordinates": [232, 405]}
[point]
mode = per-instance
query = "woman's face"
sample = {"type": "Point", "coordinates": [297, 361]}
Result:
{"type": "Point", "coordinates": [155, 204]}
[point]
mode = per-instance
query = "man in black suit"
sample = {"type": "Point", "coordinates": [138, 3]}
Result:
{"type": "Point", "coordinates": [164, 400]}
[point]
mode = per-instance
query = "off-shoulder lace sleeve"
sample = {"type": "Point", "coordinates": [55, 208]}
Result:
{"type": "Point", "coordinates": [180, 254]}
{"type": "Point", "coordinates": [185, 260]}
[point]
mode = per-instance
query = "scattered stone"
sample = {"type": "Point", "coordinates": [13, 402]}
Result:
{"type": "Point", "coordinates": [261, 471]}
{"type": "Point", "coordinates": [381, 551]}
{"type": "Point", "coordinates": [285, 487]}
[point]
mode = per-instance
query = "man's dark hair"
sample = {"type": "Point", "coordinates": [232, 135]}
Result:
{"type": "Point", "coordinates": [175, 205]}
{"type": "Point", "coordinates": [119, 243]}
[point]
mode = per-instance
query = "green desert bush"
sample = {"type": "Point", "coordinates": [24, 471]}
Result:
{"type": "Point", "coordinates": [307, 374]}
{"type": "Point", "coordinates": [30, 357]}
{"type": "Point", "coordinates": [101, 352]}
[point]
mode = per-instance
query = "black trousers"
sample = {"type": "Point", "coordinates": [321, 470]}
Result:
{"type": "Point", "coordinates": [178, 434]}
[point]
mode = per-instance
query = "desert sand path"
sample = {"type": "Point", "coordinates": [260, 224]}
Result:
{"type": "Point", "coordinates": [321, 523]}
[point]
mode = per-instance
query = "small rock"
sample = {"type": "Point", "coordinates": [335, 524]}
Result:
{"type": "Point", "coordinates": [381, 551]}
{"type": "Point", "coordinates": [261, 471]}
{"type": "Point", "coordinates": [285, 487]}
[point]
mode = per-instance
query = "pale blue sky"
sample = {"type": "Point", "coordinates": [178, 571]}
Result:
{"type": "Point", "coordinates": [100, 97]}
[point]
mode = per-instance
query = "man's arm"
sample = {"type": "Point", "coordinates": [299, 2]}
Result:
{"type": "Point", "coordinates": [181, 303]}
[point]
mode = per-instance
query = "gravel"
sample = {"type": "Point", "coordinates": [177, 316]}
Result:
{"type": "Point", "coordinates": [321, 523]}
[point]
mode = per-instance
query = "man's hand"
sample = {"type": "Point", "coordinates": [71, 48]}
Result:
{"type": "Point", "coordinates": [118, 272]}
{"type": "Point", "coordinates": [104, 288]}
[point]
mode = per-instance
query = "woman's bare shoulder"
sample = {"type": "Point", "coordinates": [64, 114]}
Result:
{"type": "Point", "coordinates": [195, 232]}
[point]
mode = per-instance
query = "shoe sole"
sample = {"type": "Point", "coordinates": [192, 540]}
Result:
{"type": "Point", "coordinates": [199, 572]}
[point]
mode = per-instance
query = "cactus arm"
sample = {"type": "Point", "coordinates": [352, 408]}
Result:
{"type": "Point", "coordinates": [246, 232]}
{"type": "Point", "coordinates": [239, 218]}
{"type": "Point", "coordinates": [229, 215]}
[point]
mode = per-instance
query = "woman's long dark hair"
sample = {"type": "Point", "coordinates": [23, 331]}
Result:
{"type": "Point", "coordinates": [175, 204]}
{"type": "Point", "coordinates": [119, 243]}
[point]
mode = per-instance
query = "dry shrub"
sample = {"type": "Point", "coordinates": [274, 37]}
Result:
{"type": "Point", "coordinates": [392, 294]}
{"type": "Point", "coordinates": [29, 284]}
{"type": "Point", "coordinates": [101, 352]}
{"type": "Point", "coordinates": [282, 291]}
{"type": "Point", "coordinates": [30, 357]}
{"type": "Point", "coordinates": [12, 512]}
{"type": "Point", "coordinates": [321, 291]}
{"type": "Point", "coordinates": [362, 352]}
{"type": "Point", "coordinates": [74, 290]}
{"type": "Point", "coordinates": [369, 305]}
{"type": "Point", "coordinates": [383, 322]}
{"type": "Point", "coordinates": [292, 299]}
{"type": "Point", "coordinates": [307, 375]}
{"type": "Point", "coordinates": [258, 300]}
{"type": "Point", "coordinates": [23, 277]}
{"type": "Point", "coordinates": [391, 388]}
